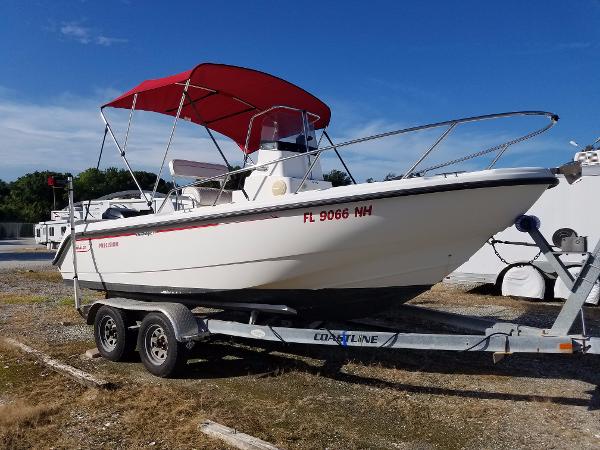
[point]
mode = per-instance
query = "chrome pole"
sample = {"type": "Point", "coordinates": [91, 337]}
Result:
{"type": "Point", "coordinates": [221, 190]}
{"type": "Point", "coordinates": [311, 164]}
{"type": "Point", "coordinates": [310, 168]}
{"type": "Point", "coordinates": [305, 129]}
{"type": "Point", "coordinates": [187, 84]}
{"type": "Point", "coordinates": [129, 122]}
{"type": "Point", "coordinates": [87, 211]}
{"type": "Point", "coordinates": [426, 154]}
{"type": "Point", "coordinates": [339, 156]}
{"type": "Point", "coordinates": [122, 153]}
{"type": "Point", "coordinates": [76, 291]}
{"type": "Point", "coordinates": [218, 147]}
{"type": "Point", "coordinates": [498, 156]}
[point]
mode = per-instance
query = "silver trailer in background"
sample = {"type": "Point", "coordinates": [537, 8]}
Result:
{"type": "Point", "coordinates": [570, 221]}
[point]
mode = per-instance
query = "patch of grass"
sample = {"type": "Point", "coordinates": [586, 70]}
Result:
{"type": "Point", "coordinates": [20, 414]}
{"type": "Point", "coordinates": [8, 298]}
{"type": "Point", "coordinates": [52, 276]}
{"type": "Point", "coordinates": [90, 297]}
{"type": "Point", "coordinates": [19, 418]}
{"type": "Point", "coordinates": [66, 301]}
{"type": "Point", "coordinates": [15, 370]}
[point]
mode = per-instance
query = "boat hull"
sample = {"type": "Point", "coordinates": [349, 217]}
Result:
{"type": "Point", "coordinates": [385, 246]}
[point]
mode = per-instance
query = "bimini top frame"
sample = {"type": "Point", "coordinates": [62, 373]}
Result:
{"type": "Point", "coordinates": [219, 97]}
{"type": "Point", "coordinates": [227, 99]}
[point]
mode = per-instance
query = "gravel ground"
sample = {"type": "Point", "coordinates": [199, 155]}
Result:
{"type": "Point", "coordinates": [295, 396]}
{"type": "Point", "coordinates": [23, 254]}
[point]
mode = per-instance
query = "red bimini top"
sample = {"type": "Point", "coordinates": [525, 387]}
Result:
{"type": "Point", "coordinates": [223, 98]}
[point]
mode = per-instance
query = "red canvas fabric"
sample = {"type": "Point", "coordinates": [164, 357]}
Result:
{"type": "Point", "coordinates": [224, 99]}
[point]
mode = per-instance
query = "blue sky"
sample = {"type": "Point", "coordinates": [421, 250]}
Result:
{"type": "Point", "coordinates": [378, 64]}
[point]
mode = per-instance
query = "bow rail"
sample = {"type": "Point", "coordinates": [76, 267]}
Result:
{"type": "Point", "coordinates": [450, 124]}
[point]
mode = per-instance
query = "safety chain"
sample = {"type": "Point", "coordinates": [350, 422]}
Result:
{"type": "Point", "coordinates": [493, 241]}
{"type": "Point", "coordinates": [491, 149]}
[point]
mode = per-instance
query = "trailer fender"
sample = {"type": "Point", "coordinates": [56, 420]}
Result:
{"type": "Point", "coordinates": [181, 318]}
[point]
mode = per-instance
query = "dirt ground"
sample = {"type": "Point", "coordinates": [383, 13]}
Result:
{"type": "Point", "coordinates": [292, 396]}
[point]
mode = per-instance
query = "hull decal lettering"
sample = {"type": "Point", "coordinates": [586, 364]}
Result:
{"type": "Point", "coordinates": [328, 215]}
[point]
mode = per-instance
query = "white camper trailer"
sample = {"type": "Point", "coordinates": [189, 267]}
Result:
{"type": "Point", "coordinates": [51, 232]}
{"type": "Point", "coordinates": [569, 221]}
{"type": "Point", "coordinates": [119, 204]}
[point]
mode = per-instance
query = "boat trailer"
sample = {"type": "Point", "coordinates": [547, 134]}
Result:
{"type": "Point", "coordinates": [163, 332]}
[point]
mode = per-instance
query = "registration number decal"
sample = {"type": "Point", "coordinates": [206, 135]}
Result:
{"type": "Point", "coordinates": [108, 244]}
{"type": "Point", "coordinates": [82, 247]}
{"type": "Point", "coordinates": [338, 214]}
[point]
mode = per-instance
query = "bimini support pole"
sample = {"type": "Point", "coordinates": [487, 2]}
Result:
{"type": "Point", "coordinates": [339, 156]}
{"type": "Point", "coordinates": [76, 291]}
{"type": "Point", "coordinates": [129, 122]}
{"type": "Point", "coordinates": [183, 94]}
{"type": "Point", "coordinates": [122, 153]}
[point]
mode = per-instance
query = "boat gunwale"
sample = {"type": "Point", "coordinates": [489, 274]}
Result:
{"type": "Point", "coordinates": [431, 189]}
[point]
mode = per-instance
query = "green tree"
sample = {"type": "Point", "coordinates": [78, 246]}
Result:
{"type": "Point", "coordinates": [31, 199]}
{"type": "Point", "coordinates": [93, 183]}
{"type": "Point", "coordinates": [337, 178]}
{"type": "Point", "coordinates": [4, 189]}
{"type": "Point", "coordinates": [4, 192]}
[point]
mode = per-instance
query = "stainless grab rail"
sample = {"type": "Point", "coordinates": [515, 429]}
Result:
{"type": "Point", "coordinates": [450, 123]}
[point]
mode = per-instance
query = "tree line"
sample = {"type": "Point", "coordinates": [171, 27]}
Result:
{"type": "Point", "coordinates": [30, 199]}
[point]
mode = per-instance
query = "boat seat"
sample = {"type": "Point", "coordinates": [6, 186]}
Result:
{"type": "Point", "coordinates": [116, 212]}
{"type": "Point", "coordinates": [205, 196]}
{"type": "Point", "coordinates": [193, 169]}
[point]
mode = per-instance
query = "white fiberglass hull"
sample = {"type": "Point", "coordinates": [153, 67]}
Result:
{"type": "Point", "coordinates": [398, 234]}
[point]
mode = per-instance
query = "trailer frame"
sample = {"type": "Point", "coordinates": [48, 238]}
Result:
{"type": "Point", "coordinates": [179, 323]}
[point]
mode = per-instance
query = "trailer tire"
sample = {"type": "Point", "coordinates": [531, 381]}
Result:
{"type": "Point", "coordinates": [114, 340]}
{"type": "Point", "coordinates": [523, 281]}
{"type": "Point", "coordinates": [160, 352]}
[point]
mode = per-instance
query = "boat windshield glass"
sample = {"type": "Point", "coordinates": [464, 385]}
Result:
{"type": "Point", "coordinates": [284, 129]}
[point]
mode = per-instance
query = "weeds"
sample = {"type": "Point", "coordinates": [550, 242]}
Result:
{"type": "Point", "coordinates": [52, 276]}
{"type": "Point", "coordinates": [9, 298]}
{"type": "Point", "coordinates": [20, 414]}
{"type": "Point", "coordinates": [16, 419]}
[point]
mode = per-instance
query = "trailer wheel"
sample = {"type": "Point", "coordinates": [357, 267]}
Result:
{"type": "Point", "coordinates": [114, 341]}
{"type": "Point", "coordinates": [525, 281]}
{"type": "Point", "coordinates": [161, 353]}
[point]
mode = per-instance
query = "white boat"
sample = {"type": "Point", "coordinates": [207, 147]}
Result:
{"type": "Point", "coordinates": [287, 240]}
